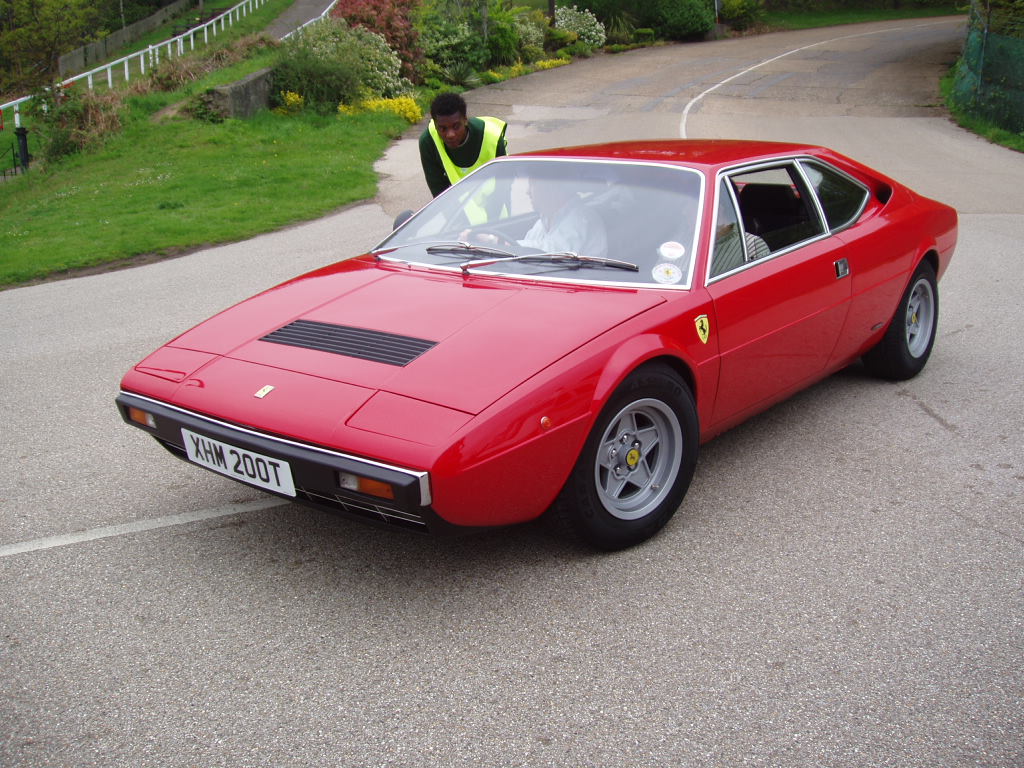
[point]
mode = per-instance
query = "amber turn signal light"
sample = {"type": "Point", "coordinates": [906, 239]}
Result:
{"type": "Point", "coordinates": [140, 416]}
{"type": "Point", "coordinates": [366, 485]}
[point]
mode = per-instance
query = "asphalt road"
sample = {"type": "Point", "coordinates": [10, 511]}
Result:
{"type": "Point", "coordinates": [842, 586]}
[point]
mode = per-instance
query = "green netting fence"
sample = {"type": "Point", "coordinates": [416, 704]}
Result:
{"type": "Point", "coordinates": [990, 77]}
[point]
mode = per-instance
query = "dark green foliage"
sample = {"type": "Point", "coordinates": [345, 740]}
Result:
{"type": "Point", "coordinates": [324, 82]}
{"type": "Point", "coordinates": [683, 19]}
{"type": "Point", "coordinates": [479, 34]}
{"type": "Point", "coordinates": [830, 5]}
{"type": "Point", "coordinates": [556, 38]}
{"type": "Point", "coordinates": [672, 19]}
{"type": "Point", "coordinates": [742, 14]}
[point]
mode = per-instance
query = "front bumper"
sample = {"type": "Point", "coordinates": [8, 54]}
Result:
{"type": "Point", "coordinates": [315, 470]}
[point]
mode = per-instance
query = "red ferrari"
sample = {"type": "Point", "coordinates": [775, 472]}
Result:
{"type": "Point", "coordinates": [556, 335]}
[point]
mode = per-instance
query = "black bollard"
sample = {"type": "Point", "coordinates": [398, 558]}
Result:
{"type": "Point", "coordinates": [22, 133]}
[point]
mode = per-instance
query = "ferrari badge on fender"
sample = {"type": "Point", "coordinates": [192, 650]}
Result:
{"type": "Point", "coordinates": [703, 328]}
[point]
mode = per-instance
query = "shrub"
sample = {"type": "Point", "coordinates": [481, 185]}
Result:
{"type": "Point", "coordinates": [67, 120]}
{"type": "Point", "coordinates": [503, 41]}
{"type": "Point", "coordinates": [531, 53]}
{"type": "Point", "coordinates": [674, 19]}
{"type": "Point", "coordinates": [381, 66]}
{"type": "Point", "coordinates": [457, 32]}
{"type": "Point", "coordinates": [551, 63]}
{"type": "Point", "coordinates": [683, 19]}
{"type": "Point", "coordinates": [291, 103]}
{"type": "Point", "coordinates": [619, 29]}
{"type": "Point", "coordinates": [449, 42]}
{"type": "Point", "coordinates": [404, 107]}
{"type": "Point", "coordinates": [588, 29]}
{"type": "Point", "coordinates": [322, 79]}
{"type": "Point", "coordinates": [393, 20]}
{"type": "Point", "coordinates": [331, 62]}
{"type": "Point", "coordinates": [531, 26]}
{"type": "Point", "coordinates": [556, 38]}
{"type": "Point", "coordinates": [742, 14]}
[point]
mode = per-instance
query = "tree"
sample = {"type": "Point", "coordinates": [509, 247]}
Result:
{"type": "Point", "coordinates": [34, 33]}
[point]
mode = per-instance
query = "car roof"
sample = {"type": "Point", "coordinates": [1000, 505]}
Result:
{"type": "Point", "coordinates": [705, 154]}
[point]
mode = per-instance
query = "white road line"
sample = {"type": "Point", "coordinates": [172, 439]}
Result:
{"type": "Point", "coordinates": [6, 550]}
{"type": "Point", "coordinates": [693, 102]}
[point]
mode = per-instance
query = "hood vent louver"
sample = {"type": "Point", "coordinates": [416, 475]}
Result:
{"type": "Point", "coordinates": [380, 347]}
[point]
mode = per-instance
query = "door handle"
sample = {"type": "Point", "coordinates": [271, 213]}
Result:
{"type": "Point", "coordinates": [842, 269]}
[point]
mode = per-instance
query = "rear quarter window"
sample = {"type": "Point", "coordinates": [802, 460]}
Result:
{"type": "Point", "coordinates": [842, 198]}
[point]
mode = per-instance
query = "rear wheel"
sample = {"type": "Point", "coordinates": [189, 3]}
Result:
{"type": "Point", "coordinates": [636, 465]}
{"type": "Point", "coordinates": [907, 344]}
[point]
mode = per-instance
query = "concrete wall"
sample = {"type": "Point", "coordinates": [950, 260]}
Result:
{"type": "Point", "coordinates": [243, 98]}
{"type": "Point", "coordinates": [94, 54]}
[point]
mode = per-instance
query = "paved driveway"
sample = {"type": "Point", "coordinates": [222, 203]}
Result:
{"type": "Point", "coordinates": [842, 586]}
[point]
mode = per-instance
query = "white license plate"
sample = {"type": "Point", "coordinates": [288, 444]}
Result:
{"type": "Point", "coordinates": [239, 464]}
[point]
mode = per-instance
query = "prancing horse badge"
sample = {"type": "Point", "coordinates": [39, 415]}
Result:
{"type": "Point", "coordinates": [264, 391]}
{"type": "Point", "coordinates": [703, 328]}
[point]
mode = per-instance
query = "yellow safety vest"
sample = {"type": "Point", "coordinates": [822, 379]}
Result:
{"type": "Point", "coordinates": [493, 128]}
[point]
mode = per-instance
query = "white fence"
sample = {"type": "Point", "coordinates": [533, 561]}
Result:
{"type": "Point", "coordinates": [148, 57]}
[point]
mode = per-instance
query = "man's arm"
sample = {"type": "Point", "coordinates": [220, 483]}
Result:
{"type": "Point", "coordinates": [433, 170]}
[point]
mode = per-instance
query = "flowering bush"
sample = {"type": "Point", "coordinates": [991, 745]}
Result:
{"type": "Point", "coordinates": [291, 103]}
{"type": "Point", "coordinates": [331, 62]}
{"type": "Point", "coordinates": [382, 73]}
{"type": "Point", "coordinates": [551, 63]}
{"type": "Point", "coordinates": [392, 19]}
{"type": "Point", "coordinates": [583, 23]}
{"type": "Point", "coordinates": [402, 106]}
{"type": "Point", "coordinates": [530, 26]}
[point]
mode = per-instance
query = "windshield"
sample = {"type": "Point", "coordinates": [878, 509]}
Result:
{"type": "Point", "coordinates": [611, 222]}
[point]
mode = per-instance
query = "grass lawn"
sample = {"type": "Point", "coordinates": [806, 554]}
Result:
{"type": "Point", "coordinates": [172, 185]}
{"type": "Point", "coordinates": [825, 18]}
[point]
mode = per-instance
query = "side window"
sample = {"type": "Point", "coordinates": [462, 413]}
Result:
{"type": "Point", "coordinates": [776, 206]}
{"type": "Point", "coordinates": [728, 253]}
{"type": "Point", "coordinates": [841, 197]}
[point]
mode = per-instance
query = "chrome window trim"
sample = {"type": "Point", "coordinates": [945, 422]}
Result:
{"type": "Point", "coordinates": [422, 478]}
{"type": "Point", "coordinates": [761, 165]}
{"type": "Point", "coordinates": [857, 182]}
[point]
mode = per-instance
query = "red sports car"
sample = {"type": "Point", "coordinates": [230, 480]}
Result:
{"type": "Point", "coordinates": [556, 335]}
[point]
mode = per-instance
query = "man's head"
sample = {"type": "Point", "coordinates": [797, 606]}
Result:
{"type": "Point", "coordinates": [448, 111]}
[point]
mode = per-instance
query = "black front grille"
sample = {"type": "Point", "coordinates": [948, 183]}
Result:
{"type": "Point", "coordinates": [380, 347]}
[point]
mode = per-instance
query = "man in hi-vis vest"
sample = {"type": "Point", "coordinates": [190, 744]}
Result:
{"type": "Point", "coordinates": [454, 144]}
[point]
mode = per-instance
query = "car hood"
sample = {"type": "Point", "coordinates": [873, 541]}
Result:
{"type": "Point", "coordinates": [443, 339]}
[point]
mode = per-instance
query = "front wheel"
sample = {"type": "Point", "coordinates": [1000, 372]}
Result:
{"type": "Point", "coordinates": [904, 349]}
{"type": "Point", "coordinates": [636, 465]}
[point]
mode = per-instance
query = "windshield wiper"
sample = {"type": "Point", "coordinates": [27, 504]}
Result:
{"type": "Point", "coordinates": [454, 247]}
{"type": "Point", "coordinates": [568, 258]}
{"type": "Point", "coordinates": [460, 247]}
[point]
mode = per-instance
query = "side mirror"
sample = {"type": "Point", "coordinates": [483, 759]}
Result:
{"type": "Point", "coordinates": [401, 218]}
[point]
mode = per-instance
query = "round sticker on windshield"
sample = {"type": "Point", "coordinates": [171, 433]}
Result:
{"type": "Point", "coordinates": [667, 274]}
{"type": "Point", "coordinates": [672, 250]}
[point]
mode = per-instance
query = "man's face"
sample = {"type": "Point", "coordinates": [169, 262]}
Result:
{"type": "Point", "coordinates": [452, 129]}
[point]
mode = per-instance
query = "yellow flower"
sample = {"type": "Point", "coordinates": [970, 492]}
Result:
{"type": "Point", "coordinates": [291, 103]}
{"type": "Point", "coordinates": [550, 63]}
{"type": "Point", "coordinates": [403, 106]}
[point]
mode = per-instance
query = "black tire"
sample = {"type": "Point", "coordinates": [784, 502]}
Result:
{"type": "Point", "coordinates": [636, 465]}
{"type": "Point", "coordinates": [907, 344]}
